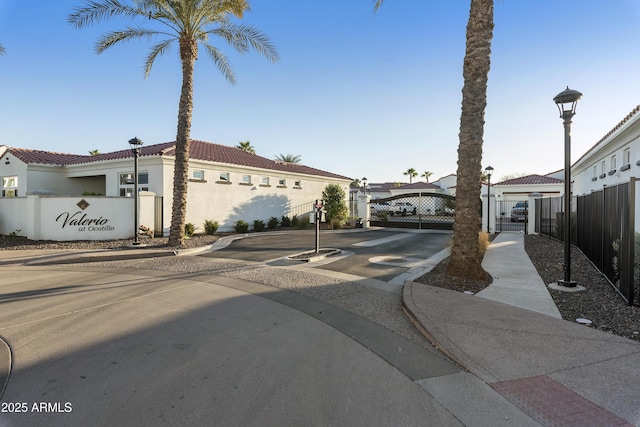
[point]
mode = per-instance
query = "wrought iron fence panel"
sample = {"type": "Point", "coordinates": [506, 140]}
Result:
{"type": "Point", "coordinates": [414, 210]}
{"type": "Point", "coordinates": [606, 235]}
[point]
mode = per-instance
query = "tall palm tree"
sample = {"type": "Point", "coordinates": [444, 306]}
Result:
{"type": "Point", "coordinates": [289, 158]}
{"type": "Point", "coordinates": [2, 50]}
{"type": "Point", "coordinates": [426, 175]}
{"type": "Point", "coordinates": [465, 260]}
{"type": "Point", "coordinates": [94, 152]}
{"type": "Point", "coordinates": [412, 174]}
{"type": "Point", "coordinates": [188, 23]}
{"type": "Point", "coordinates": [246, 146]}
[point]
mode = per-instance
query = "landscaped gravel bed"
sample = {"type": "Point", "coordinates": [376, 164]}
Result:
{"type": "Point", "coordinates": [599, 303]}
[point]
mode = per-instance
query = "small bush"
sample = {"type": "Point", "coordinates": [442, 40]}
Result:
{"type": "Point", "coordinates": [258, 225]}
{"type": "Point", "coordinates": [483, 242]}
{"type": "Point", "coordinates": [303, 222]}
{"type": "Point", "coordinates": [336, 224]}
{"type": "Point", "coordinates": [210, 227]}
{"type": "Point", "coordinates": [273, 223]}
{"type": "Point", "coordinates": [241, 226]}
{"type": "Point", "coordinates": [295, 221]}
{"type": "Point", "coordinates": [286, 221]}
{"type": "Point", "coordinates": [189, 229]}
{"type": "Point", "coordinates": [145, 231]}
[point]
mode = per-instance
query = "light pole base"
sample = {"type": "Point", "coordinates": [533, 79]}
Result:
{"type": "Point", "coordinates": [567, 284]}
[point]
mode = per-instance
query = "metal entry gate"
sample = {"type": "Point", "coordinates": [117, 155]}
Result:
{"type": "Point", "coordinates": [414, 210]}
{"type": "Point", "coordinates": [512, 216]}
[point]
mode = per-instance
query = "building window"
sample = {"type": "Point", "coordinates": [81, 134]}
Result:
{"type": "Point", "coordinates": [265, 181]}
{"type": "Point", "coordinates": [127, 183]}
{"type": "Point", "coordinates": [246, 179]}
{"type": "Point", "coordinates": [282, 182]}
{"type": "Point", "coordinates": [197, 175]}
{"type": "Point", "coordinates": [10, 186]}
{"type": "Point", "coordinates": [223, 178]}
{"type": "Point", "coordinates": [595, 171]}
{"type": "Point", "coordinates": [297, 184]}
{"type": "Point", "coordinates": [613, 162]}
{"type": "Point", "coordinates": [626, 156]}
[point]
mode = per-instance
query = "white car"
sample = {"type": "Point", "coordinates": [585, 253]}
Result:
{"type": "Point", "coordinates": [403, 208]}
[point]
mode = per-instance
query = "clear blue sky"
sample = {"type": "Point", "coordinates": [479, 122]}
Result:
{"type": "Point", "coordinates": [354, 93]}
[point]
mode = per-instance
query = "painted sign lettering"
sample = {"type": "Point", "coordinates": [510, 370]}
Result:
{"type": "Point", "coordinates": [80, 219]}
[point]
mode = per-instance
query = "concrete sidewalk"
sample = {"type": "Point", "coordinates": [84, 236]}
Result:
{"type": "Point", "coordinates": [510, 335]}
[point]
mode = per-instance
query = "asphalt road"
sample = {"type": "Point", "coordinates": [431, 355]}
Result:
{"type": "Point", "coordinates": [381, 254]}
{"type": "Point", "coordinates": [106, 346]}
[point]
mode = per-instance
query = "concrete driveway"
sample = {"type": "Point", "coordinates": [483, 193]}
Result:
{"type": "Point", "coordinates": [96, 346]}
{"type": "Point", "coordinates": [382, 254]}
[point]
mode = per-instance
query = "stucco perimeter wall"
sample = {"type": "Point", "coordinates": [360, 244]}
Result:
{"type": "Point", "coordinates": [230, 202]}
{"type": "Point", "coordinates": [12, 215]}
{"type": "Point", "coordinates": [74, 218]}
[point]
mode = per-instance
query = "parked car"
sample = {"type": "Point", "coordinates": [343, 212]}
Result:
{"type": "Point", "coordinates": [520, 211]}
{"type": "Point", "coordinates": [380, 207]}
{"type": "Point", "coordinates": [403, 208]}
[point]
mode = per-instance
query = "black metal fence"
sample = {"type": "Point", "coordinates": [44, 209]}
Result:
{"type": "Point", "coordinates": [512, 216]}
{"type": "Point", "coordinates": [603, 227]}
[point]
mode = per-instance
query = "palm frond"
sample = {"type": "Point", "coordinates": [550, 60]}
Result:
{"type": "Point", "coordinates": [2, 50]}
{"type": "Point", "coordinates": [221, 62]}
{"type": "Point", "coordinates": [241, 37]}
{"type": "Point", "coordinates": [97, 11]}
{"type": "Point", "coordinates": [157, 50]}
{"type": "Point", "coordinates": [114, 37]}
{"type": "Point", "coordinates": [377, 4]}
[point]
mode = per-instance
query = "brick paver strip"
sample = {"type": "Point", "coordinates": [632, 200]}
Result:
{"type": "Point", "coordinates": [552, 404]}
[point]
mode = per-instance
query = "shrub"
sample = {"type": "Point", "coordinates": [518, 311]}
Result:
{"type": "Point", "coordinates": [210, 227]}
{"type": "Point", "coordinates": [336, 224]}
{"type": "Point", "coordinates": [273, 223]}
{"type": "Point", "coordinates": [483, 242]}
{"type": "Point", "coordinates": [303, 222]}
{"type": "Point", "coordinates": [241, 226]}
{"type": "Point", "coordinates": [286, 221]}
{"type": "Point", "coordinates": [258, 225]}
{"type": "Point", "coordinates": [334, 203]}
{"type": "Point", "coordinates": [189, 229]}
{"type": "Point", "coordinates": [145, 231]}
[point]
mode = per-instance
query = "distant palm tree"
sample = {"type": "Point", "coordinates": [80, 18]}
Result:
{"type": "Point", "coordinates": [356, 183]}
{"type": "Point", "coordinates": [426, 175]}
{"type": "Point", "coordinates": [2, 50]}
{"type": "Point", "coordinates": [246, 146]}
{"type": "Point", "coordinates": [412, 174]}
{"type": "Point", "coordinates": [94, 152]}
{"type": "Point", "coordinates": [187, 23]}
{"type": "Point", "coordinates": [289, 158]}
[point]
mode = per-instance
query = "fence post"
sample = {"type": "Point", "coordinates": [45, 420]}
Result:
{"type": "Point", "coordinates": [532, 213]}
{"type": "Point", "coordinates": [364, 209]}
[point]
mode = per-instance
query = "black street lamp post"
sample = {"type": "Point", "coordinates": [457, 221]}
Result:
{"type": "Point", "coordinates": [135, 144]}
{"type": "Point", "coordinates": [566, 102]}
{"type": "Point", "coordinates": [364, 184]}
{"type": "Point", "coordinates": [488, 171]}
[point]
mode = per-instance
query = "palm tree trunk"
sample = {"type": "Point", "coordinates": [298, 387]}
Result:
{"type": "Point", "coordinates": [465, 257]}
{"type": "Point", "coordinates": [188, 56]}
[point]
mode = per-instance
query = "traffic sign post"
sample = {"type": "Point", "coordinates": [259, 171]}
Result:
{"type": "Point", "coordinates": [318, 207]}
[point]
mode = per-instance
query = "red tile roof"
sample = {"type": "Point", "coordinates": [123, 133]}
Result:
{"type": "Point", "coordinates": [531, 180]}
{"type": "Point", "coordinates": [199, 150]}
{"type": "Point", "coordinates": [419, 186]}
